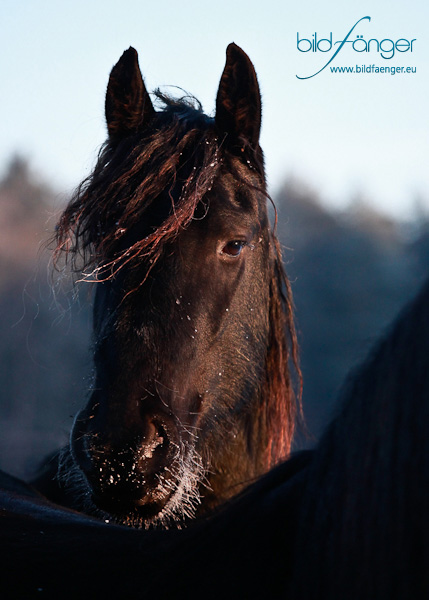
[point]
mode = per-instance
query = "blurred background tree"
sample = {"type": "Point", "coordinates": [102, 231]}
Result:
{"type": "Point", "coordinates": [350, 271]}
{"type": "Point", "coordinates": [44, 339]}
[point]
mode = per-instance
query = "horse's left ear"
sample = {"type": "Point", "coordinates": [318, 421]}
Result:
{"type": "Point", "coordinates": [238, 102]}
{"type": "Point", "coordinates": [128, 105]}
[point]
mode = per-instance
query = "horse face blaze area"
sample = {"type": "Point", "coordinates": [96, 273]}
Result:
{"type": "Point", "coordinates": [193, 333]}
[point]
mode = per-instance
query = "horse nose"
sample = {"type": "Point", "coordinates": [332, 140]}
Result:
{"type": "Point", "coordinates": [126, 464]}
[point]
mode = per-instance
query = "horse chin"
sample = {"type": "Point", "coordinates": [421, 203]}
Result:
{"type": "Point", "coordinates": [141, 515]}
{"type": "Point", "coordinates": [155, 509]}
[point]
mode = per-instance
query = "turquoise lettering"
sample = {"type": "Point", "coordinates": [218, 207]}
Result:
{"type": "Point", "coordinates": [405, 44]}
{"type": "Point", "coordinates": [391, 48]}
{"type": "Point", "coordinates": [298, 42]}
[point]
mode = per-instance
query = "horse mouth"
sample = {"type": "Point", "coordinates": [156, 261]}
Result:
{"type": "Point", "coordinates": [165, 499]}
{"type": "Point", "coordinates": [161, 488]}
{"type": "Point", "coordinates": [125, 511]}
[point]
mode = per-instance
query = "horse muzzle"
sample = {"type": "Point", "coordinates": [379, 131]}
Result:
{"type": "Point", "coordinates": [128, 468]}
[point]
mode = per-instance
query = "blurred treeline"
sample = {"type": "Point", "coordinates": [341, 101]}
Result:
{"type": "Point", "coordinates": [351, 272]}
{"type": "Point", "coordinates": [44, 357]}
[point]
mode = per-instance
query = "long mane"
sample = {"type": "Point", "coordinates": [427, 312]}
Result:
{"type": "Point", "coordinates": [127, 179]}
{"type": "Point", "coordinates": [179, 157]}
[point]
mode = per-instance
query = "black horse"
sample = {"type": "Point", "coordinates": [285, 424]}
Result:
{"type": "Point", "coordinates": [348, 520]}
{"type": "Point", "coordinates": [194, 342]}
{"type": "Point", "coordinates": [364, 516]}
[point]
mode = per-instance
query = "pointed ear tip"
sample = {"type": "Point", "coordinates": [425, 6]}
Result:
{"type": "Point", "coordinates": [233, 48]}
{"type": "Point", "coordinates": [129, 55]}
{"type": "Point", "coordinates": [234, 52]}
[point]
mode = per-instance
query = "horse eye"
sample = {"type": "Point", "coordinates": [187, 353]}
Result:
{"type": "Point", "coordinates": [233, 248]}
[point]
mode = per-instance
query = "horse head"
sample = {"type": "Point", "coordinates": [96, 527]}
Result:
{"type": "Point", "coordinates": [192, 396]}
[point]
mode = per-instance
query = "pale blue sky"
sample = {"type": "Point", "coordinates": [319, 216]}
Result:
{"type": "Point", "coordinates": [342, 134]}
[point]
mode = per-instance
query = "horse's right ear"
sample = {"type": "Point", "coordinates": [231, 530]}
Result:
{"type": "Point", "coordinates": [128, 105]}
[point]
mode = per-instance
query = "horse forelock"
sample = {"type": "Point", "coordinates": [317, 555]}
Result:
{"type": "Point", "coordinates": [126, 182]}
{"type": "Point", "coordinates": [180, 156]}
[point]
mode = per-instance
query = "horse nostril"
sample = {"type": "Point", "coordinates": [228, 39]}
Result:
{"type": "Point", "coordinates": [154, 440]}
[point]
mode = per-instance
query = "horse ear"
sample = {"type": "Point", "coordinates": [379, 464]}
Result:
{"type": "Point", "coordinates": [238, 102]}
{"type": "Point", "coordinates": [128, 105]}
